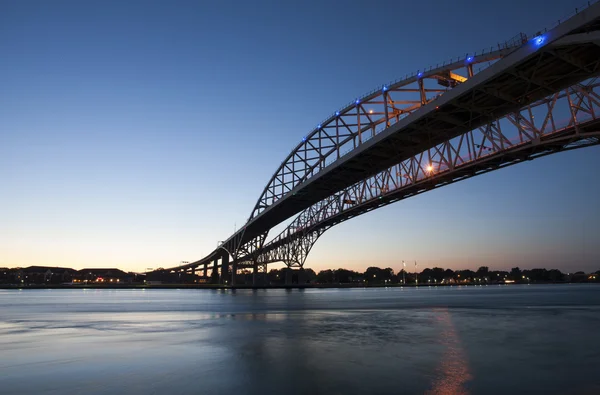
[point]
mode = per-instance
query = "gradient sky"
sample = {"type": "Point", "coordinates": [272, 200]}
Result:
{"type": "Point", "coordinates": [136, 134]}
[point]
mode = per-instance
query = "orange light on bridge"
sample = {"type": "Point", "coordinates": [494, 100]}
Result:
{"type": "Point", "coordinates": [430, 168]}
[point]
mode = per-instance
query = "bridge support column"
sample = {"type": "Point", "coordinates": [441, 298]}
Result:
{"type": "Point", "coordinates": [288, 276]}
{"type": "Point", "coordinates": [233, 272]}
{"type": "Point", "coordinates": [255, 274]}
{"type": "Point", "coordinates": [224, 268]}
{"type": "Point", "coordinates": [205, 270]}
{"type": "Point", "coordinates": [215, 272]}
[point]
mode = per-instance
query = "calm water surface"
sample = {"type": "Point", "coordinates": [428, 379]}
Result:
{"type": "Point", "coordinates": [469, 340]}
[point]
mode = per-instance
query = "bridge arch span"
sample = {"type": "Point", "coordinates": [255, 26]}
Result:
{"type": "Point", "coordinates": [366, 116]}
{"type": "Point", "coordinates": [417, 129]}
{"type": "Point", "coordinates": [566, 120]}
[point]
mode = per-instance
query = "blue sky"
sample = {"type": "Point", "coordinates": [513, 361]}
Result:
{"type": "Point", "coordinates": [137, 134]}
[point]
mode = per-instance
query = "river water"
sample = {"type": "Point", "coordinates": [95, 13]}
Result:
{"type": "Point", "coordinates": [438, 340]}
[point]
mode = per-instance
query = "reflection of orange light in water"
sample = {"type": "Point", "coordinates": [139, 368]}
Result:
{"type": "Point", "coordinates": [453, 370]}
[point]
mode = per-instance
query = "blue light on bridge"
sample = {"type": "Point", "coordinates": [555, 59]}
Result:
{"type": "Point", "coordinates": [469, 59]}
{"type": "Point", "coordinates": [337, 113]}
{"type": "Point", "coordinates": [420, 74]}
{"type": "Point", "coordinates": [319, 126]}
{"type": "Point", "coordinates": [357, 101]}
{"type": "Point", "coordinates": [539, 40]}
{"type": "Point", "coordinates": [385, 88]}
{"type": "Point", "coordinates": [304, 139]}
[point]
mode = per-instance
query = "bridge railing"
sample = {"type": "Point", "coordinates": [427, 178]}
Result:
{"type": "Point", "coordinates": [574, 11]}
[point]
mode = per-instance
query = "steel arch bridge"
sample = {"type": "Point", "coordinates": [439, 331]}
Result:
{"type": "Point", "coordinates": [525, 98]}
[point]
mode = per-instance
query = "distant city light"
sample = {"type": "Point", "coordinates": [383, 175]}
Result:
{"type": "Point", "coordinates": [539, 40]}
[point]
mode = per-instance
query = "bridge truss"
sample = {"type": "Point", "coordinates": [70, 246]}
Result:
{"type": "Point", "coordinates": [523, 99]}
{"type": "Point", "coordinates": [566, 120]}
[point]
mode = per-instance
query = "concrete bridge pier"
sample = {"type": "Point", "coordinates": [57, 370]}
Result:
{"type": "Point", "coordinates": [224, 268]}
{"type": "Point", "coordinates": [288, 276]}
{"type": "Point", "coordinates": [205, 270]}
{"type": "Point", "coordinates": [215, 271]}
{"type": "Point", "coordinates": [255, 274]}
{"type": "Point", "coordinates": [233, 272]}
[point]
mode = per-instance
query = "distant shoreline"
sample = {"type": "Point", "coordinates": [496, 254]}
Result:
{"type": "Point", "coordinates": [279, 286]}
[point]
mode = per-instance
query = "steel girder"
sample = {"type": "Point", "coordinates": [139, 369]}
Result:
{"type": "Point", "coordinates": [565, 120]}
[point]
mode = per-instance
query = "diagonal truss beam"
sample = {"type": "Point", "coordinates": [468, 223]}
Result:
{"type": "Point", "coordinates": [568, 119]}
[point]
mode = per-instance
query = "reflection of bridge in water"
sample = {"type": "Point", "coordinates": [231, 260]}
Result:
{"type": "Point", "coordinates": [520, 100]}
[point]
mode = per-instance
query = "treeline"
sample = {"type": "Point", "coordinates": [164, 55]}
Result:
{"type": "Point", "coordinates": [436, 275]}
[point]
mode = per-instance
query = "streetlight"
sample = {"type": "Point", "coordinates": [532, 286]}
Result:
{"type": "Point", "coordinates": [416, 274]}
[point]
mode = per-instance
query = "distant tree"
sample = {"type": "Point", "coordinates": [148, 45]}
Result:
{"type": "Point", "coordinates": [465, 275]}
{"type": "Point", "coordinates": [448, 273]}
{"type": "Point", "coordinates": [372, 273]}
{"type": "Point", "coordinates": [438, 274]}
{"type": "Point", "coordinates": [499, 275]}
{"type": "Point", "coordinates": [432, 275]}
{"type": "Point", "coordinates": [325, 276]}
{"type": "Point", "coordinates": [310, 275]}
{"type": "Point", "coordinates": [388, 273]}
{"type": "Point", "coordinates": [376, 275]}
{"type": "Point", "coordinates": [539, 275]}
{"type": "Point", "coordinates": [425, 275]}
{"type": "Point", "coordinates": [483, 271]}
{"type": "Point", "coordinates": [515, 274]}
{"type": "Point", "coordinates": [555, 275]}
{"type": "Point", "coordinates": [346, 276]}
